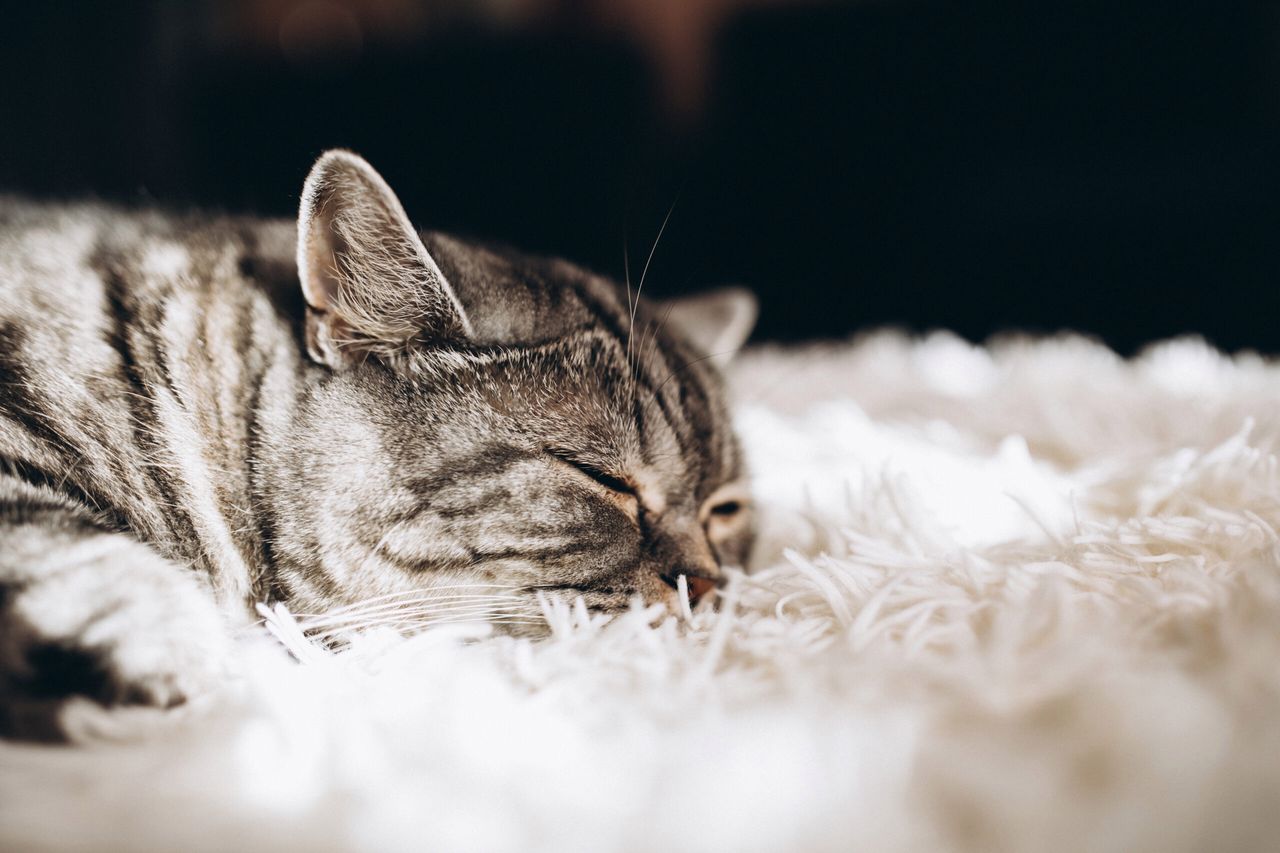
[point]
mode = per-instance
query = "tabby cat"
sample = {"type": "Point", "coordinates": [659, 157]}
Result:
{"type": "Point", "coordinates": [424, 425]}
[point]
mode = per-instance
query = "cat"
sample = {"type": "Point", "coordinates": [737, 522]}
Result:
{"type": "Point", "coordinates": [199, 413]}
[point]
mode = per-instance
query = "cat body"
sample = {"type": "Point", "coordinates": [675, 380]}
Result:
{"type": "Point", "coordinates": [199, 413]}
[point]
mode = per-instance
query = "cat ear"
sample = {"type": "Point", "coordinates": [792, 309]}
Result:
{"type": "Point", "coordinates": [370, 283]}
{"type": "Point", "coordinates": [718, 322]}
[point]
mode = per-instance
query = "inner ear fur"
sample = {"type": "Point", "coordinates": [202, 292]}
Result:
{"type": "Point", "coordinates": [718, 322]}
{"type": "Point", "coordinates": [369, 282]}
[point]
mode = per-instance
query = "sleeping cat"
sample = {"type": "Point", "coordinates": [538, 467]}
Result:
{"type": "Point", "coordinates": [200, 413]}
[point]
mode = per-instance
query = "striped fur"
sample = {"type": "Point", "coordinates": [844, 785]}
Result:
{"type": "Point", "coordinates": [171, 454]}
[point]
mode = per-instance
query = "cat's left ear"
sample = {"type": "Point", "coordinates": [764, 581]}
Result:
{"type": "Point", "coordinates": [718, 322]}
{"type": "Point", "coordinates": [369, 282]}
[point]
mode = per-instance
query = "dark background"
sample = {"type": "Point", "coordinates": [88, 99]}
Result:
{"type": "Point", "coordinates": [1109, 167]}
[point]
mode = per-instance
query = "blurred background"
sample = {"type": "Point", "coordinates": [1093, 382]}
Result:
{"type": "Point", "coordinates": [1103, 166]}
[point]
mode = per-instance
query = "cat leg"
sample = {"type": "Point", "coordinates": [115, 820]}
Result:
{"type": "Point", "coordinates": [92, 613]}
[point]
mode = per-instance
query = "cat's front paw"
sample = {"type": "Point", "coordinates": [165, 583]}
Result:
{"type": "Point", "coordinates": [129, 629]}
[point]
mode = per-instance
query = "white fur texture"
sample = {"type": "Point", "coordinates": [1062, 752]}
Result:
{"type": "Point", "coordinates": [1024, 597]}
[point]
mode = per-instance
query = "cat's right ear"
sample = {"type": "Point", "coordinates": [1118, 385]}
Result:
{"type": "Point", "coordinates": [370, 285]}
{"type": "Point", "coordinates": [718, 322]}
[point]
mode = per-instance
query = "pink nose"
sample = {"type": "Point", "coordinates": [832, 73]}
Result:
{"type": "Point", "coordinates": [699, 588]}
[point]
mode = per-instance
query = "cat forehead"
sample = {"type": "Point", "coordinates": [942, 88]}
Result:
{"type": "Point", "coordinates": [605, 369]}
{"type": "Point", "coordinates": [584, 391]}
{"type": "Point", "coordinates": [515, 298]}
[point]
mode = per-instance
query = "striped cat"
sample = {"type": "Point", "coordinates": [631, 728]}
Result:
{"type": "Point", "coordinates": [423, 429]}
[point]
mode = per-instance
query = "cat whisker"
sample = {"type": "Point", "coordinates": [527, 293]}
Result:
{"type": "Point", "coordinates": [477, 616]}
{"type": "Point", "coordinates": [652, 249]}
{"type": "Point", "coordinates": [676, 372]}
{"type": "Point", "coordinates": [443, 602]}
{"type": "Point", "coordinates": [439, 606]}
{"type": "Point", "coordinates": [442, 588]}
{"type": "Point", "coordinates": [656, 330]}
{"type": "Point", "coordinates": [626, 270]}
{"type": "Point", "coordinates": [429, 607]}
{"type": "Point", "coordinates": [424, 624]}
{"type": "Point", "coordinates": [645, 272]}
{"type": "Point", "coordinates": [401, 601]}
{"type": "Point", "coordinates": [415, 593]}
{"type": "Point", "coordinates": [496, 620]}
{"type": "Point", "coordinates": [417, 601]}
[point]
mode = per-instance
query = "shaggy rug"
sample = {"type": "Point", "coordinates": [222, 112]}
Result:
{"type": "Point", "coordinates": [1020, 597]}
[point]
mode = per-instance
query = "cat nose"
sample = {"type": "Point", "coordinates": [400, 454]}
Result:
{"type": "Point", "coordinates": [687, 552]}
{"type": "Point", "coordinates": [700, 579]}
{"type": "Point", "coordinates": [698, 586]}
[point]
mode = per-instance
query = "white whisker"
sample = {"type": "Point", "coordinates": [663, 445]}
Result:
{"type": "Point", "coordinates": [369, 619]}
{"type": "Point", "coordinates": [347, 612]}
{"type": "Point", "coordinates": [409, 593]}
{"type": "Point", "coordinates": [424, 624]}
{"type": "Point", "coordinates": [644, 272]}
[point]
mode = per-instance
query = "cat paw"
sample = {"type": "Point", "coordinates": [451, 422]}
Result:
{"type": "Point", "coordinates": [140, 632]}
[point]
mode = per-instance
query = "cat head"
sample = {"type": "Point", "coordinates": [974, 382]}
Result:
{"type": "Point", "coordinates": [486, 426]}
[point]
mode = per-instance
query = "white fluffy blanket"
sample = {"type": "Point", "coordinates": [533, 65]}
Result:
{"type": "Point", "coordinates": [1021, 597]}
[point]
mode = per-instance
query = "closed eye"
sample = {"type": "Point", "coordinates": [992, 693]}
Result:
{"type": "Point", "coordinates": [726, 505]}
{"type": "Point", "coordinates": [603, 478]}
{"type": "Point", "coordinates": [726, 508]}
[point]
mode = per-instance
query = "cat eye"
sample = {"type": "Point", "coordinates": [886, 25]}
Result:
{"type": "Point", "coordinates": [726, 508]}
{"type": "Point", "coordinates": [725, 505]}
{"type": "Point", "coordinates": [603, 478]}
